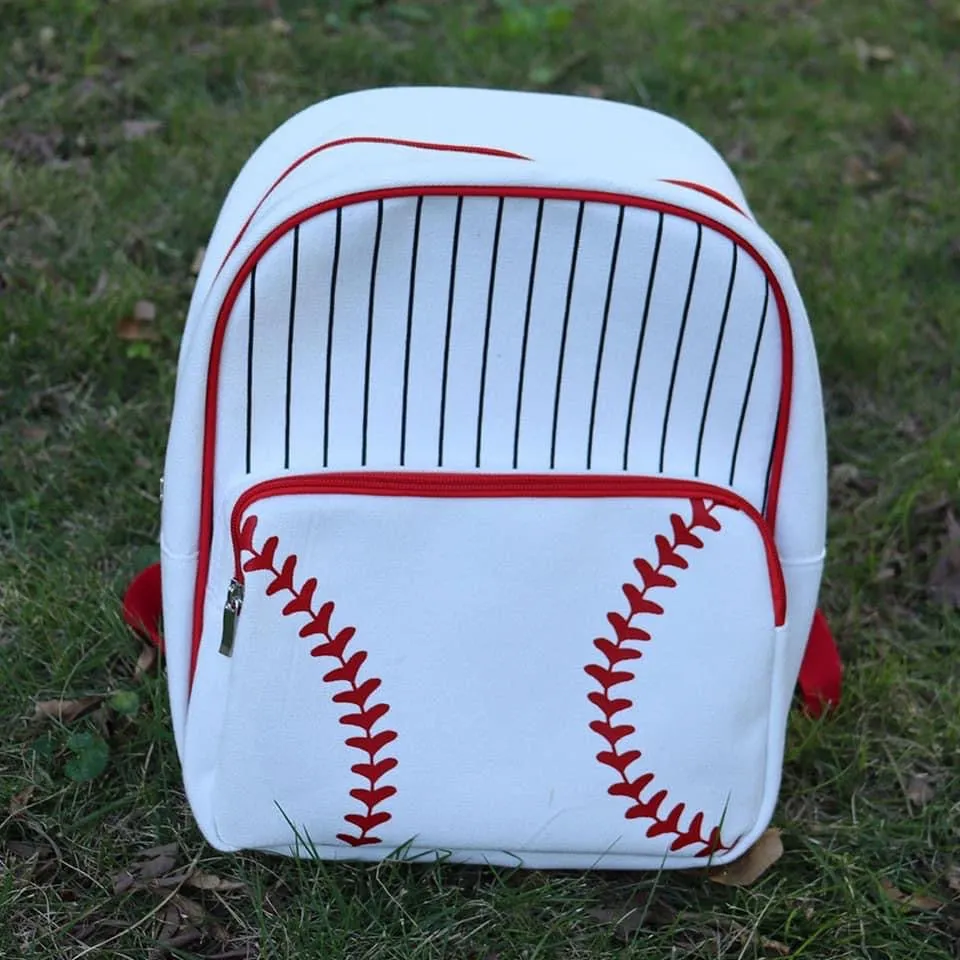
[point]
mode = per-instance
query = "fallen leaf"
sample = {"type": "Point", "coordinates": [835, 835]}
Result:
{"type": "Point", "coordinates": [869, 54]}
{"type": "Point", "coordinates": [29, 862]}
{"type": "Point", "coordinates": [856, 173]}
{"type": "Point", "coordinates": [164, 850]}
{"type": "Point", "coordinates": [775, 946]}
{"type": "Point", "coordinates": [919, 789]}
{"type": "Point", "coordinates": [210, 881]}
{"type": "Point", "coordinates": [138, 129]}
{"type": "Point", "coordinates": [198, 260]}
{"type": "Point", "coordinates": [144, 311]}
{"type": "Point", "coordinates": [753, 864]}
{"type": "Point", "coordinates": [953, 879]}
{"type": "Point", "coordinates": [911, 901]}
{"type": "Point", "coordinates": [156, 866]}
{"type": "Point", "coordinates": [25, 850]}
{"type": "Point", "coordinates": [189, 908]}
{"type": "Point", "coordinates": [145, 662]}
{"type": "Point", "coordinates": [902, 127]}
{"type": "Point", "coordinates": [188, 934]}
{"type": "Point", "coordinates": [139, 325]}
{"type": "Point", "coordinates": [165, 883]}
{"type": "Point", "coordinates": [65, 711]}
{"type": "Point", "coordinates": [20, 801]}
{"type": "Point", "coordinates": [154, 863]}
{"type": "Point", "coordinates": [945, 575]}
{"type": "Point", "coordinates": [169, 924]}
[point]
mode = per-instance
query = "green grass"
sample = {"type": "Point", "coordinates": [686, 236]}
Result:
{"type": "Point", "coordinates": [804, 98]}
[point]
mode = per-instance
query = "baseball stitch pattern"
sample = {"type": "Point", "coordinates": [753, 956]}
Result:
{"type": "Point", "coordinates": [609, 675]}
{"type": "Point", "coordinates": [357, 694]}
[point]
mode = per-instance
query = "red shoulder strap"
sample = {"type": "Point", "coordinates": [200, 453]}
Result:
{"type": "Point", "coordinates": [821, 672]}
{"type": "Point", "coordinates": [143, 605]}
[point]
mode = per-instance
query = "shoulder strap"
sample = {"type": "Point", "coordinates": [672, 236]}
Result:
{"type": "Point", "coordinates": [143, 605]}
{"type": "Point", "coordinates": [821, 673]}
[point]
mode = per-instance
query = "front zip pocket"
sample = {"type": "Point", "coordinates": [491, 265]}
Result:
{"type": "Point", "coordinates": [498, 666]}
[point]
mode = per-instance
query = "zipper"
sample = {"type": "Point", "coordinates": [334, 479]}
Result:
{"type": "Point", "coordinates": [231, 612]}
{"type": "Point", "coordinates": [473, 485]}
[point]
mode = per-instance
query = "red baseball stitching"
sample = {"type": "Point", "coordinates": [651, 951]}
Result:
{"type": "Point", "coordinates": [356, 695]}
{"type": "Point", "coordinates": [609, 676]}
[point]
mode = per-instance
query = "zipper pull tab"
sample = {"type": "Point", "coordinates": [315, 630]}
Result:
{"type": "Point", "coordinates": [231, 610]}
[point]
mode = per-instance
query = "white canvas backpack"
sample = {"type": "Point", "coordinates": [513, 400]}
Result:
{"type": "Point", "coordinates": [494, 510]}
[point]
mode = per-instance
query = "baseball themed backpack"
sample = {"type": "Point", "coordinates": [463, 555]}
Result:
{"type": "Point", "coordinates": [493, 520]}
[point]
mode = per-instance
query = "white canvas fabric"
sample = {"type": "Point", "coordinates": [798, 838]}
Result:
{"type": "Point", "coordinates": [494, 508]}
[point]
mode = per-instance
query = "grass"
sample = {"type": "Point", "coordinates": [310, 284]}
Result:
{"type": "Point", "coordinates": [840, 119]}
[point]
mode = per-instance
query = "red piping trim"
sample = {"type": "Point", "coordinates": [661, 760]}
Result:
{"type": "Point", "coordinates": [709, 192]}
{"type": "Point", "coordinates": [554, 193]}
{"type": "Point", "coordinates": [347, 141]}
{"type": "Point", "coordinates": [380, 483]}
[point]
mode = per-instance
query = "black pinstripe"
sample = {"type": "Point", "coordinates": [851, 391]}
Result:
{"type": "Point", "coordinates": [746, 395]}
{"type": "Point", "coordinates": [716, 359]}
{"type": "Point", "coordinates": [680, 336]}
{"type": "Point", "coordinates": [486, 332]}
{"type": "Point", "coordinates": [406, 351]}
{"type": "Point", "coordinates": [603, 334]}
{"type": "Point", "coordinates": [253, 311]}
{"type": "Point", "coordinates": [446, 341]}
{"type": "Point", "coordinates": [526, 332]}
{"type": "Point", "coordinates": [571, 279]}
{"type": "Point", "coordinates": [370, 315]}
{"type": "Point", "coordinates": [293, 314]}
{"type": "Point", "coordinates": [334, 274]}
{"type": "Point", "coordinates": [640, 339]}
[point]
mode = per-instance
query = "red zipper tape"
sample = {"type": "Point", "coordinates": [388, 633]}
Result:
{"type": "Point", "coordinates": [509, 486]}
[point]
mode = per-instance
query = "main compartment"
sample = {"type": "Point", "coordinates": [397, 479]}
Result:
{"type": "Point", "coordinates": [608, 384]}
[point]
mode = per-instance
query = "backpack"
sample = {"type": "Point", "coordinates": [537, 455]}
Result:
{"type": "Point", "coordinates": [493, 519]}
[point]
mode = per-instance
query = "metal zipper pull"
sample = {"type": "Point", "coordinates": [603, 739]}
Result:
{"type": "Point", "coordinates": [231, 610]}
